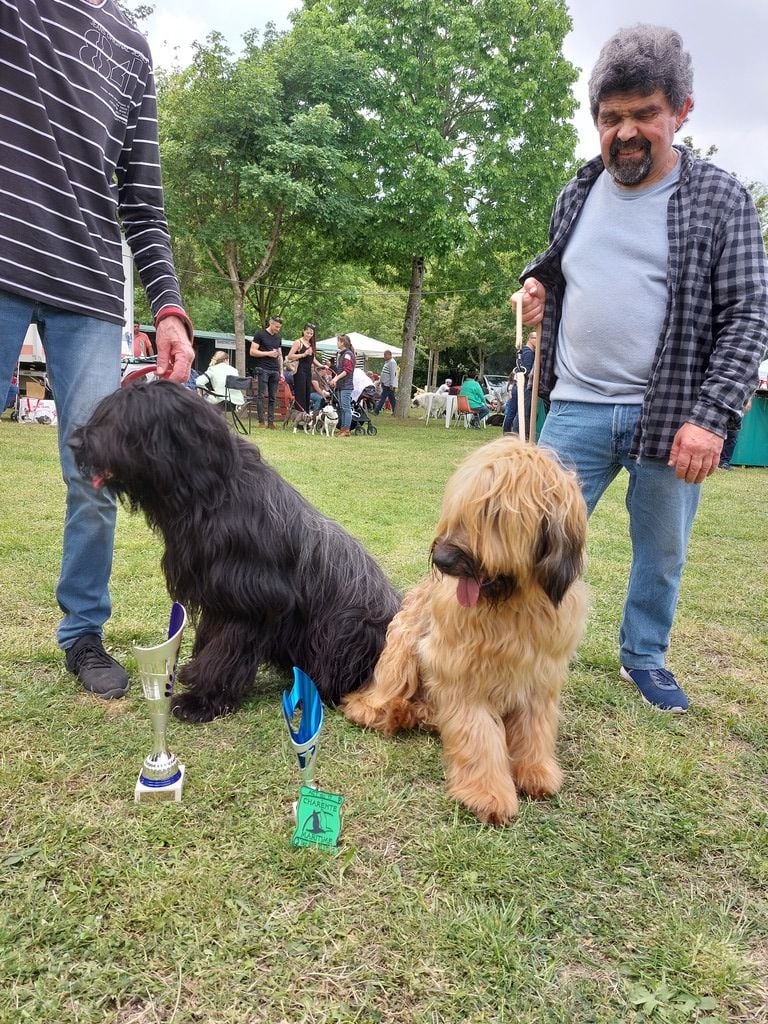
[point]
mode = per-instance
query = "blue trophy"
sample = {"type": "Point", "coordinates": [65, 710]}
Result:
{"type": "Point", "coordinates": [317, 814]}
{"type": "Point", "coordinates": [305, 740]}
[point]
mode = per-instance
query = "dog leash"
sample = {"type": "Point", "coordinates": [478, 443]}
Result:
{"type": "Point", "coordinates": [519, 370]}
{"type": "Point", "coordinates": [535, 385]}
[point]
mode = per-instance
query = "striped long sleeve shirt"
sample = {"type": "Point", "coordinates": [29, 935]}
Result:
{"type": "Point", "coordinates": [78, 156]}
{"type": "Point", "coordinates": [715, 327]}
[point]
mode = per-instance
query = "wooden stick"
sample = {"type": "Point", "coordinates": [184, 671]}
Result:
{"type": "Point", "coordinates": [535, 387]}
{"type": "Point", "coordinates": [519, 377]}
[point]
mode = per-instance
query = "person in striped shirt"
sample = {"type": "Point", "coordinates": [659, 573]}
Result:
{"type": "Point", "coordinates": [80, 160]}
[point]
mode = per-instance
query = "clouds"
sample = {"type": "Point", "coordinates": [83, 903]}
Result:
{"type": "Point", "coordinates": [177, 24]}
{"type": "Point", "coordinates": [726, 42]}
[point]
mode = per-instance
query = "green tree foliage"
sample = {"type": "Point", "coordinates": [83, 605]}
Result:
{"type": "Point", "coordinates": [759, 193]}
{"type": "Point", "coordinates": [467, 133]}
{"type": "Point", "coordinates": [137, 13]}
{"type": "Point", "coordinates": [254, 159]}
{"type": "Point", "coordinates": [758, 189]}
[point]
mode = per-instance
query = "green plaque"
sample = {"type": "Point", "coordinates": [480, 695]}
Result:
{"type": "Point", "coordinates": [318, 818]}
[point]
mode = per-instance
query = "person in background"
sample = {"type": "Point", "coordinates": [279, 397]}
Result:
{"type": "Point", "coordinates": [320, 390]}
{"type": "Point", "coordinates": [304, 352]}
{"type": "Point", "coordinates": [79, 134]}
{"type": "Point", "coordinates": [12, 396]}
{"type": "Point", "coordinates": [142, 346]}
{"type": "Point", "coordinates": [731, 439]}
{"type": "Point", "coordinates": [388, 381]}
{"type": "Point", "coordinates": [363, 388]}
{"type": "Point", "coordinates": [343, 382]}
{"type": "Point", "coordinates": [653, 301]}
{"type": "Point", "coordinates": [266, 347]}
{"type": "Point", "coordinates": [213, 383]}
{"type": "Point", "coordinates": [472, 391]}
{"type": "Point", "coordinates": [445, 387]}
{"type": "Point", "coordinates": [511, 423]}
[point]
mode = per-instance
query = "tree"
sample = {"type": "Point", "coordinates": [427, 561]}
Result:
{"type": "Point", "coordinates": [136, 14]}
{"type": "Point", "coordinates": [467, 131]}
{"type": "Point", "coordinates": [759, 192]}
{"type": "Point", "coordinates": [252, 157]}
{"type": "Point", "coordinates": [757, 189]}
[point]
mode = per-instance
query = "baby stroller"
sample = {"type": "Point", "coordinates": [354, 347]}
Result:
{"type": "Point", "coordinates": [361, 422]}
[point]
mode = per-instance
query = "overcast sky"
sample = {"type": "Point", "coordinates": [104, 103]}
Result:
{"type": "Point", "coordinates": [726, 40]}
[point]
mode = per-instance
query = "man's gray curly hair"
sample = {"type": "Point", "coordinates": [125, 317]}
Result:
{"type": "Point", "coordinates": [641, 59]}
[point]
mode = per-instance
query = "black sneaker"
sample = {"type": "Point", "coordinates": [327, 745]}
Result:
{"type": "Point", "coordinates": [99, 673]}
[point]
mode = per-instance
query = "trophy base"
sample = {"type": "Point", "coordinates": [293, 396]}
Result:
{"type": "Point", "coordinates": [171, 792]}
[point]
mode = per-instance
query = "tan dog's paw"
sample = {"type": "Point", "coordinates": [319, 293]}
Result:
{"type": "Point", "coordinates": [538, 780]}
{"type": "Point", "coordinates": [490, 808]}
{"type": "Point", "coordinates": [357, 709]}
{"type": "Point", "coordinates": [362, 710]}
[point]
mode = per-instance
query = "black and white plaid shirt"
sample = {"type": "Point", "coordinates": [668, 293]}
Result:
{"type": "Point", "coordinates": [715, 329]}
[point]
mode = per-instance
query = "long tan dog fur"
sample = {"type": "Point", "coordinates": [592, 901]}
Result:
{"type": "Point", "coordinates": [480, 648]}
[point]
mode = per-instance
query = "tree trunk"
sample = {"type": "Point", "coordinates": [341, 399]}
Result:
{"type": "Point", "coordinates": [410, 327]}
{"type": "Point", "coordinates": [239, 304]}
{"type": "Point", "coordinates": [434, 363]}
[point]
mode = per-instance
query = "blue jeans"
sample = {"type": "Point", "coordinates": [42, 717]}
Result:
{"type": "Point", "coordinates": [386, 393]}
{"type": "Point", "coordinates": [83, 364]}
{"type": "Point", "coordinates": [594, 441]}
{"type": "Point", "coordinates": [511, 422]}
{"type": "Point", "coordinates": [345, 402]}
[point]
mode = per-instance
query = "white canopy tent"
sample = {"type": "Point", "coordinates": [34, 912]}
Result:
{"type": "Point", "coordinates": [362, 344]}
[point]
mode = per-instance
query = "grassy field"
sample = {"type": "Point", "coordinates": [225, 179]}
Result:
{"type": "Point", "coordinates": [639, 894]}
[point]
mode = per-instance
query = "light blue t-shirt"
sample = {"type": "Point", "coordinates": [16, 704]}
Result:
{"type": "Point", "coordinates": [615, 268]}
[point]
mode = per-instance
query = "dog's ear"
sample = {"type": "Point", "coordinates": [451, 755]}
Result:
{"type": "Point", "coordinates": [559, 554]}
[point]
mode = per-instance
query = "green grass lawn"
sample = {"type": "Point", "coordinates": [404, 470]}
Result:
{"type": "Point", "coordinates": [640, 893]}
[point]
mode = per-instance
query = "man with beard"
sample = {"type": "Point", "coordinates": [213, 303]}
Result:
{"type": "Point", "coordinates": [653, 301]}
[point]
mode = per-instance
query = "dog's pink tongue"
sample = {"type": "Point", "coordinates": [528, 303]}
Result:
{"type": "Point", "coordinates": [468, 592]}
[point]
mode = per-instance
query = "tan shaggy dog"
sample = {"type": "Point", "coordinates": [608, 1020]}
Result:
{"type": "Point", "coordinates": [480, 648]}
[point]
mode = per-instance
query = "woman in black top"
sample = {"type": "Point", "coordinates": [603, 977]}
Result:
{"type": "Point", "coordinates": [303, 351]}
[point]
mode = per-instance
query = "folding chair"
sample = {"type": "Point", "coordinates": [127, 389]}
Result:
{"type": "Point", "coordinates": [243, 385]}
{"type": "Point", "coordinates": [463, 408]}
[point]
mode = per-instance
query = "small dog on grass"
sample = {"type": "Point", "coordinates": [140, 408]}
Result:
{"type": "Point", "coordinates": [269, 579]}
{"type": "Point", "coordinates": [330, 420]}
{"type": "Point", "coordinates": [480, 649]}
{"type": "Point", "coordinates": [301, 421]}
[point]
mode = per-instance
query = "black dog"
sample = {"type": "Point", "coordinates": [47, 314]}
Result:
{"type": "Point", "coordinates": [267, 577]}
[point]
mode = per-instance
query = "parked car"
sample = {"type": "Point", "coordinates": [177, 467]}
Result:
{"type": "Point", "coordinates": [496, 388]}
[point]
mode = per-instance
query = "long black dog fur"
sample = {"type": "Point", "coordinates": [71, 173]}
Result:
{"type": "Point", "coordinates": [267, 578]}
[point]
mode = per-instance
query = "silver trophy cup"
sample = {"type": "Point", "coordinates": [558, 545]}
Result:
{"type": "Point", "coordinates": [161, 774]}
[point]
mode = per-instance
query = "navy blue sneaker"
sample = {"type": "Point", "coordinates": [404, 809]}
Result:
{"type": "Point", "coordinates": [658, 687]}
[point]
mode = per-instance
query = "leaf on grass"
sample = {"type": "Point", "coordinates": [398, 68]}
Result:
{"type": "Point", "coordinates": [346, 860]}
{"type": "Point", "coordinates": [11, 859]}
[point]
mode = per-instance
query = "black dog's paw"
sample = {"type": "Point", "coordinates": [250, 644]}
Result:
{"type": "Point", "coordinates": [188, 707]}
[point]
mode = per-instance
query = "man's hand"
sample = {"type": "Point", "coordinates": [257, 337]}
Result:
{"type": "Point", "coordinates": [175, 354]}
{"type": "Point", "coordinates": [695, 453]}
{"type": "Point", "coordinates": [534, 294]}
